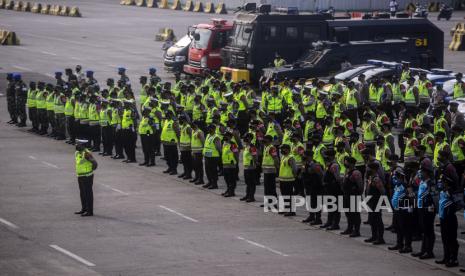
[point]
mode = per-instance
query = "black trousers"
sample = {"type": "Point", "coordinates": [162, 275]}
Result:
{"type": "Point", "coordinates": [211, 170]}
{"type": "Point", "coordinates": [129, 144]}
{"type": "Point", "coordinates": [197, 164]}
{"type": "Point", "coordinates": [95, 136]}
{"type": "Point", "coordinates": [43, 119]}
{"type": "Point", "coordinates": [354, 220]}
{"type": "Point", "coordinates": [404, 227]}
{"type": "Point", "coordinates": [119, 145]}
{"type": "Point", "coordinates": [83, 132]}
{"type": "Point", "coordinates": [375, 220]}
{"type": "Point", "coordinates": [51, 120]}
{"type": "Point", "coordinates": [21, 110]}
{"type": "Point", "coordinates": [299, 187]}
{"type": "Point", "coordinates": [427, 224]}
{"type": "Point", "coordinates": [34, 117]}
{"type": "Point", "coordinates": [312, 192]}
{"type": "Point", "coordinates": [147, 148]}
{"type": "Point", "coordinates": [250, 178]}
{"type": "Point", "coordinates": [286, 188]}
{"type": "Point", "coordinates": [449, 237]}
{"type": "Point", "coordinates": [334, 217]}
{"type": "Point", "coordinates": [269, 185]}
{"type": "Point", "coordinates": [107, 139]}
{"type": "Point", "coordinates": [230, 178]}
{"type": "Point", "coordinates": [71, 128]}
{"type": "Point", "coordinates": [86, 193]}
{"type": "Point", "coordinates": [11, 100]}
{"type": "Point", "coordinates": [157, 141]}
{"type": "Point", "coordinates": [60, 121]}
{"type": "Point", "coordinates": [172, 157]}
{"type": "Point", "coordinates": [186, 158]}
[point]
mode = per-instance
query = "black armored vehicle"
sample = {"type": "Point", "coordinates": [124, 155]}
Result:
{"type": "Point", "coordinates": [258, 34]}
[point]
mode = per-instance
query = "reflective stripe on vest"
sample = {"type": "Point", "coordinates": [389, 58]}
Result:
{"type": "Point", "coordinates": [410, 97]}
{"type": "Point", "coordinates": [69, 108]}
{"type": "Point", "coordinates": [458, 90]}
{"type": "Point", "coordinates": [104, 118]}
{"type": "Point", "coordinates": [457, 153]}
{"type": "Point", "coordinates": [127, 121]}
{"type": "Point", "coordinates": [227, 156]}
{"type": "Point", "coordinates": [196, 143]}
{"type": "Point", "coordinates": [285, 170]}
{"type": "Point", "coordinates": [59, 107]}
{"type": "Point", "coordinates": [356, 154]}
{"type": "Point", "coordinates": [185, 139]}
{"type": "Point", "coordinates": [168, 135]}
{"type": "Point", "coordinates": [268, 161]}
{"type": "Point", "coordinates": [83, 166]}
{"type": "Point", "coordinates": [144, 127]}
{"type": "Point", "coordinates": [209, 149]}
{"type": "Point", "coordinates": [318, 156]}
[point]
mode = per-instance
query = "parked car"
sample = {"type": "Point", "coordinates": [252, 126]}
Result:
{"type": "Point", "coordinates": [176, 56]}
{"type": "Point", "coordinates": [377, 72]}
{"type": "Point", "coordinates": [438, 75]}
{"type": "Point", "coordinates": [448, 86]}
{"type": "Point", "coordinates": [352, 72]}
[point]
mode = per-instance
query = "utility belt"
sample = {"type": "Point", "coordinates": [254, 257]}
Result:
{"type": "Point", "coordinates": [184, 147]}
{"type": "Point", "coordinates": [93, 123]}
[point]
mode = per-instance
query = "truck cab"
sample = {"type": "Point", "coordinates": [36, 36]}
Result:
{"type": "Point", "coordinates": [204, 51]}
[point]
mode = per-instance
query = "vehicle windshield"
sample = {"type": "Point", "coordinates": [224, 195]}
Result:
{"type": "Point", "coordinates": [351, 72]}
{"type": "Point", "coordinates": [183, 42]}
{"type": "Point", "coordinates": [204, 38]}
{"type": "Point", "coordinates": [240, 37]}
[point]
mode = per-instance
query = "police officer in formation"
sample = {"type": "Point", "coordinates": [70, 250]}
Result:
{"type": "Point", "coordinates": [16, 95]}
{"type": "Point", "coordinates": [314, 138]}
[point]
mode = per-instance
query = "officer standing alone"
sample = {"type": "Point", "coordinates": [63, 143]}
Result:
{"type": "Point", "coordinates": [85, 167]}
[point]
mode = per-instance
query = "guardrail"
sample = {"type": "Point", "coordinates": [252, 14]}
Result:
{"type": "Point", "coordinates": [189, 5]}
{"type": "Point", "coordinates": [40, 8]}
{"type": "Point", "coordinates": [8, 38]}
{"type": "Point", "coordinates": [458, 38]}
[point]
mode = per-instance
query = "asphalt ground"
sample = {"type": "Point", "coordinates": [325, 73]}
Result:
{"type": "Point", "coordinates": [147, 223]}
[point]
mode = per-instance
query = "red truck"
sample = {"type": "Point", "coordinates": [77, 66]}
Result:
{"type": "Point", "coordinates": [208, 40]}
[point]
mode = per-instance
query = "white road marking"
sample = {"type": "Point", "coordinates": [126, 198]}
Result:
{"type": "Point", "coordinates": [48, 53]}
{"type": "Point", "coordinates": [262, 246]}
{"type": "Point", "coordinates": [74, 58]}
{"type": "Point", "coordinates": [50, 164]}
{"type": "Point", "coordinates": [22, 68]}
{"type": "Point", "coordinates": [113, 189]}
{"type": "Point", "coordinates": [50, 75]}
{"type": "Point", "coordinates": [177, 213]}
{"type": "Point", "coordinates": [72, 255]}
{"type": "Point", "coordinates": [32, 157]}
{"type": "Point", "coordinates": [63, 40]}
{"type": "Point", "coordinates": [10, 224]}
